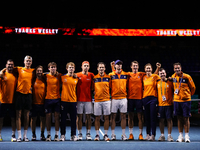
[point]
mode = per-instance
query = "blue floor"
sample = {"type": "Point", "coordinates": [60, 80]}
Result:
{"type": "Point", "coordinates": [97, 145]}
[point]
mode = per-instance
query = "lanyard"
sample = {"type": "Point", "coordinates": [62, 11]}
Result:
{"type": "Point", "coordinates": [180, 82]}
{"type": "Point", "coordinates": [164, 88]}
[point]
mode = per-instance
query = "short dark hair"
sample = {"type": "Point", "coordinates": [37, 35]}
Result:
{"type": "Point", "coordinates": [101, 63]}
{"type": "Point", "coordinates": [39, 67]}
{"type": "Point", "coordinates": [52, 64]}
{"type": "Point", "coordinates": [10, 60]}
{"type": "Point", "coordinates": [178, 63]}
{"type": "Point", "coordinates": [161, 69]}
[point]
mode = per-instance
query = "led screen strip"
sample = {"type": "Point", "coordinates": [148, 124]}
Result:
{"type": "Point", "coordinates": [99, 31]}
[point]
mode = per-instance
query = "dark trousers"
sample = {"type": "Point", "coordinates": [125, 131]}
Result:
{"type": "Point", "coordinates": [68, 107]}
{"type": "Point", "coordinates": [149, 104]}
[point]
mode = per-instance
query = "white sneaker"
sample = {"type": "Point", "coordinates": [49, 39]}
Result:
{"type": "Point", "coordinates": [19, 139]}
{"type": "Point", "coordinates": [62, 138]}
{"type": "Point", "coordinates": [1, 138]}
{"type": "Point", "coordinates": [124, 138]}
{"type": "Point", "coordinates": [97, 138]}
{"type": "Point", "coordinates": [25, 139]}
{"type": "Point", "coordinates": [147, 137]}
{"type": "Point", "coordinates": [48, 138]}
{"type": "Point", "coordinates": [170, 138]}
{"type": "Point", "coordinates": [13, 138]}
{"type": "Point", "coordinates": [152, 138]}
{"type": "Point", "coordinates": [88, 137]}
{"type": "Point", "coordinates": [105, 137]}
{"type": "Point", "coordinates": [180, 139]}
{"type": "Point", "coordinates": [56, 138]}
{"type": "Point", "coordinates": [161, 138]}
{"type": "Point", "coordinates": [113, 137]}
{"type": "Point", "coordinates": [80, 136]}
{"type": "Point", "coordinates": [187, 139]}
{"type": "Point", "coordinates": [73, 138]}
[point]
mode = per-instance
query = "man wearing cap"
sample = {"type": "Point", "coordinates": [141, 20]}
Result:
{"type": "Point", "coordinates": [119, 101]}
{"type": "Point", "coordinates": [134, 96]}
{"type": "Point", "coordinates": [84, 99]}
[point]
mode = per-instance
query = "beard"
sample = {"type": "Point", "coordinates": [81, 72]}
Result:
{"type": "Point", "coordinates": [10, 68]}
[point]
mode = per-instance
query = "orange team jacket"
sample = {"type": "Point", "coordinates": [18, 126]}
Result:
{"type": "Point", "coordinates": [102, 88]}
{"type": "Point", "coordinates": [53, 86]}
{"type": "Point", "coordinates": [167, 91]}
{"type": "Point", "coordinates": [24, 83]}
{"type": "Point", "coordinates": [187, 87]}
{"type": "Point", "coordinates": [7, 88]}
{"type": "Point", "coordinates": [135, 87]}
{"type": "Point", "coordinates": [39, 91]}
{"type": "Point", "coordinates": [68, 93]}
{"type": "Point", "coordinates": [84, 87]}
{"type": "Point", "coordinates": [118, 85]}
{"type": "Point", "coordinates": [149, 83]}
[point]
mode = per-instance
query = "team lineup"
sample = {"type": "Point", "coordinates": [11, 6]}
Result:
{"type": "Point", "coordinates": [29, 92]}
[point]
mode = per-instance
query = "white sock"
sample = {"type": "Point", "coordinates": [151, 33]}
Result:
{"type": "Point", "coordinates": [48, 132]}
{"type": "Point", "coordinates": [123, 131]}
{"type": "Point", "coordinates": [19, 133]}
{"type": "Point", "coordinates": [186, 134]}
{"type": "Point", "coordinates": [57, 132]}
{"type": "Point", "coordinates": [106, 131]}
{"type": "Point", "coordinates": [162, 134]}
{"type": "Point", "coordinates": [25, 133]}
{"type": "Point", "coordinates": [97, 132]}
{"type": "Point", "coordinates": [13, 132]}
{"type": "Point", "coordinates": [113, 132]}
{"type": "Point", "coordinates": [88, 131]}
{"type": "Point", "coordinates": [181, 133]}
{"type": "Point", "coordinates": [140, 130]}
{"type": "Point", "coordinates": [79, 131]}
{"type": "Point", "coordinates": [131, 130]}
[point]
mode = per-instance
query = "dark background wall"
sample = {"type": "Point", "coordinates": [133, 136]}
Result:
{"type": "Point", "coordinates": [127, 15]}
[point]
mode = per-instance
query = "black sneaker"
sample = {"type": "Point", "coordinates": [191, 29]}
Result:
{"type": "Point", "coordinates": [48, 138]}
{"type": "Point", "coordinates": [97, 138]}
{"type": "Point", "coordinates": [33, 137]}
{"type": "Point", "coordinates": [56, 138]}
{"type": "Point", "coordinates": [42, 137]}
{"type": "Point", "coordinates": [105, 137]}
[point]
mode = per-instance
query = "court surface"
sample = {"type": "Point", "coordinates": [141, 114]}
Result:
{"type": "Point", "coordinates": [101, 145]}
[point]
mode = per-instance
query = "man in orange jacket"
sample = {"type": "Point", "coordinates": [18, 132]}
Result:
{"type": "Point", "coordinates": [119, 80]}
{"type": "Point", "coordinates": [184, 87]}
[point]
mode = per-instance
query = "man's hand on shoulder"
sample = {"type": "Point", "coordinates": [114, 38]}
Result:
{"type": "Point", "coordinates": [2, 72]}
{"type": "Point", "coordinates": [75, 75]}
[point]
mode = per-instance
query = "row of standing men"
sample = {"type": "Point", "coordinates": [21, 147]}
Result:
{"type": "Point", "coordinates": [30, 90]}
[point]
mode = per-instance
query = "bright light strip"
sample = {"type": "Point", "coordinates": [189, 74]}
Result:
{"type": "Point", "coordinates": [99, 32]}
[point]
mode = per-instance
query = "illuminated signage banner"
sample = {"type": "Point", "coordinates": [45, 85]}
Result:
{"type": "Point", "coordinates": [99, 32]}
